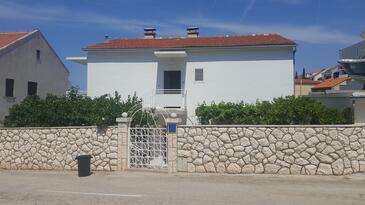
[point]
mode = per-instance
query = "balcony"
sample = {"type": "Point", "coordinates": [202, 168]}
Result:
{"type": "Point", "coordinates": [170, 98]}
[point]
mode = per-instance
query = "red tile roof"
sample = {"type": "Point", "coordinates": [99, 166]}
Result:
{"type": "Point", "coordinates": [184, 42]}
{"type": "Point", "coordinates": [306, 82]}
{"type": "Point", "coordinates": [331, 82]}
{"type": "Point", "coordinates": [7, 38]}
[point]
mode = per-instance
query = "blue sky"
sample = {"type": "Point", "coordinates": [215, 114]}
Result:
{"type": "Point", "coordinates": [320, 27]}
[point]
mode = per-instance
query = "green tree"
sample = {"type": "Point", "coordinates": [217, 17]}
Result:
{"type": "Point", "coordinates": [74, 110]}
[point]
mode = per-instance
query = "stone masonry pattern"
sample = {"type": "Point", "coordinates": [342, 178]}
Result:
{"type": "Point", "coordinates": [322, 150]}
{"type": "Point", "coordinates": [57, 148]}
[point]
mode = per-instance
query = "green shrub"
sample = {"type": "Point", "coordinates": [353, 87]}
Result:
{"type": "Point", "coordinates": [281, 111]}
{"type": "Point", "coordinates": [73, 110]}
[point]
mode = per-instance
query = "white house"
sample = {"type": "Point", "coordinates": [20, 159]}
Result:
{"type": "Point", "coordinates": [28, 66]}
{"type": "Point", "coordinates": [182, 72]}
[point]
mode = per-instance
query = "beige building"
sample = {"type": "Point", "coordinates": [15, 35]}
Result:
{"type": "Point", "coordinates": [304, 86]}
{"type": "Point", "coordinates": [28, 66]}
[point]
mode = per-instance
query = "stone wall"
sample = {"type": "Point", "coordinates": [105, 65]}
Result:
{"type": "Point", "coordinates": [57, 148]}
{"type": "Point", "coordinates": [323, 150]}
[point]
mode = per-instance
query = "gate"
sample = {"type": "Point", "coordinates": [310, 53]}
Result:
{"type": "Point", "coordinates": [147, 148]}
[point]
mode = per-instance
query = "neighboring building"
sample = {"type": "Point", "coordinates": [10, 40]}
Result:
{"type": "Point", "coordinates": [331, 84]}
{"type": "Point", "coordinates": [340, 93]}
{"type": "Point", "coordinates": [328, 73]}
{"type": "Point", "coordinates": [28, 66]}
{"type": "Point", "coordinates": [304, 86]}
{"type": "Point", "coordinates": [344, 92]}
{"type": "Point", "coordinates": [180, 73]}
{"type": "Point", "coordinates": [352, 59]}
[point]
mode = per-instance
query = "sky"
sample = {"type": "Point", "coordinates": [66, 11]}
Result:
{"type": "Point", "coordinates": [319, 27]}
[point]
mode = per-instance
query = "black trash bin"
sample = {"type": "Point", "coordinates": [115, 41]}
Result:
{"type": "Point", "coordinates": [84, 165]}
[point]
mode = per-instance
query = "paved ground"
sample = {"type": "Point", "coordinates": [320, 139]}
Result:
{"type": "Point", "coordinates": [48, 188]}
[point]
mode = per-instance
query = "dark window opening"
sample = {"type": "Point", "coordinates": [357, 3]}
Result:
{"type": "Point", "coordinates": [38, 55]}
{"type": "Point", "coordinates": [32, 88]}
{"type": "Point", "coordinates": [336, 74]}
{"type": "Point", "coordinates": [172, 82]}
{"type": "Point", "coordinates": [9, 87]}
{"type": "Point", "coordinates": [199, 74]}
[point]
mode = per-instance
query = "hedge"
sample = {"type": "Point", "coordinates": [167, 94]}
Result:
{"type": "Point", "coordinates": [73, 110]}
{"type": "Point", "coordinates": [288, 110]}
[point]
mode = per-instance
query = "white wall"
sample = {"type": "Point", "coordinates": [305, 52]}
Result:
{"type": "Point", "coordinates": [21, 65]}
{"type": "Point", "coordinates": [359, 110]}
{"type": "Point", "coordinates": [230, 75]}
{"type": "Point", "coordinates": [247, 74]}
{"type": "Point", "coordinates": [126, 72]}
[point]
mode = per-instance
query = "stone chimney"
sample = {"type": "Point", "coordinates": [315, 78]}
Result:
{"type": "Point", "coordinates": [149, 33]}
{"type": "Point", "coordinates": [192, 32]}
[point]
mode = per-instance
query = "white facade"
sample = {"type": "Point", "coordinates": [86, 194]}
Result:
{"type": "Point", "coordinates": [19, 62]}
{"type": "Point", "coordinates": [230, 74]}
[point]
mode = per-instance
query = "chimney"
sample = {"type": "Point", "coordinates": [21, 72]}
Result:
{"type": "Point", "coordinates": [192, 32]}
{"type": "Point", "coordinates": [149, 33]}
{"type": "Point", "coordinates": [363, 35]}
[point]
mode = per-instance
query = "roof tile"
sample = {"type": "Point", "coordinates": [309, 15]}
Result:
{"type": "Point", "coordinates": [7, 38]}
{"type": "Point", "coordinates": [331, 82]}
{"type": "Point", "coordinates": [184, 42]}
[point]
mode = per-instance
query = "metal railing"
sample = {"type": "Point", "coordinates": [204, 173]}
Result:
{"type": "Point", "coordinates": [170, 98]}
{"type": "Point", "coordinates": [170, 91]}
{"type": "Point", "coordinates": [79, 92]}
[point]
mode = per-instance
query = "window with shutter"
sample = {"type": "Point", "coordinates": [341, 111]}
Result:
{"type": "Point", "coordinates": [199, 74]}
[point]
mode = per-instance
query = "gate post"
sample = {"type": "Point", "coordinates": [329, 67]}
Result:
{"type": "Point", "coordinates": [171, 128]}
{"type": "Point", "coordinates": [123, 125]}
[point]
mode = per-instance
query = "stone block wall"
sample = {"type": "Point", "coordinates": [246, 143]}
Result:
{"type": "Point", "coordinates": [57, 148]}
{"type": "Point", "coordinates": [310, 150]}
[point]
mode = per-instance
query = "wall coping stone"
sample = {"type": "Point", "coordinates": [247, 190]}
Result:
{"type": "Point", "coordinates": [37, 128]}
{"type": "Point", "coordinates": [278, 126]}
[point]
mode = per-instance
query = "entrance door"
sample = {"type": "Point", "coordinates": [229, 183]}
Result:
{"type": "Point", "coordinates": [172, 82]}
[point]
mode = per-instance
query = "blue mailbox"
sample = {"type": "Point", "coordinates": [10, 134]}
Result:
{"type": "Point", "coordinates": [171, 127]}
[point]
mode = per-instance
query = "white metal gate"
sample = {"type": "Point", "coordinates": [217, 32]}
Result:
{"type": "Point", "coordinates": [147, 148]}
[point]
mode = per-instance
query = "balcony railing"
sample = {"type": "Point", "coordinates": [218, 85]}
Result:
{"type": "Point", "coordinates": [170, 98]}
{"type": "Point", "coordinates": [169, 91]}
{"type": "Point", "coordinates": [79, 92]}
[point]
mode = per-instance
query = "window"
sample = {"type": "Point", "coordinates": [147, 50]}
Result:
{"type": "Point", "coordinates": [172, 81]}
{"type": "Point", "coordinates": [199, 74]}
{"type": "Point", "coordinates": [336, 74]}
{"type": "Point", "coordinates": [32, 88]}
{"type": "Point", "coordinates": [38, 55]}
{"type": "Point", "coordinates": [9, 87]}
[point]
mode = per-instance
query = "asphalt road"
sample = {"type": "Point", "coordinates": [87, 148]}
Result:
{"type": "Point", "coordinates": [48, 188]}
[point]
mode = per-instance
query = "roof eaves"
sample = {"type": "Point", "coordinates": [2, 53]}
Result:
{"type": "Point", "coordinates": [18, 39]}
{"type": "Point", "coordinates": [14, 44]}
{"type": "Point", "coordinates": [192, 47]}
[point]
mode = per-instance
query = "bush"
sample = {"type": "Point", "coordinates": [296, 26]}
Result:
{"type": "Point", "coordinates": [281, 111]}
{"type": "Point", "coordinates": [73, 110]}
